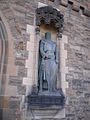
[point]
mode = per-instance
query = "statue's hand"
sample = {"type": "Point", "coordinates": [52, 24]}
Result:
{"type": "Point", "coordinates": [50, 54]}
{"type": "Point", "coordinates": [56, 61]}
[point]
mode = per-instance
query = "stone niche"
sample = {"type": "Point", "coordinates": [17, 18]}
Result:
{"type": "Point", "coordinates": [45, 105]}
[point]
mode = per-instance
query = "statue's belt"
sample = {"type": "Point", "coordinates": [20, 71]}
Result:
{"type": "Point", "coordinates": [49, 59]}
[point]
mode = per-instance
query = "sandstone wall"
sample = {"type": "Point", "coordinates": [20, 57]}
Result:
{"type": "Point", "coordinates": [17, 15]}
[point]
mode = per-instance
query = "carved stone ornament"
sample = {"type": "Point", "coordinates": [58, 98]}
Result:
{"type": "Point", "coordinates": [48, 15]}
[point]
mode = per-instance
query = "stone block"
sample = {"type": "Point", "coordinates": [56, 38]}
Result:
{"type": "Point", "coordinates": [19, 62]}
{"type": "Point", "coordinates": [19, 9]}
{"type": "Point", "coordinates": [9, 12]}
{"type": "Point", "coordinates": [32, 47]}
{"type": "Point", "coordinates": [87, 12]}
{"type": "Point", "coordinates": [9, 114]}
{"type": "Point", "coordinates": [15, 81]}
{"type": "Point", "coordinates": [21, 90]}
{"type": "Point", "coordinates": [70, 116]}
{"type": "Point", "coordinates": [22, 71]}
{"type": "Point", "coordinates": [76, 6]}
{"type": "Point", "coordinates": [32, 38]}
{"type": "Point", "coordinates": [29, 64]}
{"type": "Point", "coordinates": [64, 3]}
{"type": "Point", "coordinates": [63, 54]}
{"type": "Point", "coordinates": [30, 72]}
{"type": "Point", "coordinates": [31, 58]}
{"type": "Point", "coordinates": [69, 77]}
{"type": "Point", "coordinates": [30, 29]}
{"type": "Point", "coordinates": [41, 4]}
{"type": "Point", "coordinates": [14, 104]}
{"type": "Point", "coordinates": [29, 20]}
{"type": "Point", "coordinates": [77, 84]}
{"type": "Point", "coordinates": [65, 39]}
{"type": "Point", "coordinates": [10, 89]}
{"type": "Point", "coordinates": [28, 81]}
{"type": "Point", "coordinates": [62, 63]}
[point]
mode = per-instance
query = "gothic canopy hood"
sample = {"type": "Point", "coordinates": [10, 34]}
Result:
{"type": "Point", "coordinates": [49, 15]}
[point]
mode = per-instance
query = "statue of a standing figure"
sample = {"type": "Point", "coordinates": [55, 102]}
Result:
{"type": "Point", "coordinates": [48, 64]}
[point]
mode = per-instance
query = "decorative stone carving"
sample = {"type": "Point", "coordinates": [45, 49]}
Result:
{"type": "Point", "coordinates": [20, 49]}
{"type": "Point", "coordinates": [48, 15]}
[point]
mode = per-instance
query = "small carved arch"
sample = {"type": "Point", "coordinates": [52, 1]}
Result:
{"type": "Point", "coordinates": [49, 15]}
{"type": "Point", "coordinates": [3, 52]}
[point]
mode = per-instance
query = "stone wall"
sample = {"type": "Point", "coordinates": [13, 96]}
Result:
{"type": "Point", "coordinates": [19, 14]}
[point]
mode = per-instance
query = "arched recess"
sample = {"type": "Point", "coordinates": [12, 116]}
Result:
{"type": "Point", "coordinates": [3, 52]}
{"type": "Point", "coordinates": [49, 19]}
{"type": "Point", "coordinates": [5, 39]}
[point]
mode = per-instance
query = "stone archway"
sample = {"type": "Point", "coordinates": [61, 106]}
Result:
{"type": "Point", "coordinates": [6, 49]}
{"type": "Point", "coordinates": [3, 53]}
{"type": "Point", "coordinates": [3, 60]}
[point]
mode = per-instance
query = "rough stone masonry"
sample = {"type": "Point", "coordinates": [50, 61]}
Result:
{"type": "Point", "coordinates": [15, 16]}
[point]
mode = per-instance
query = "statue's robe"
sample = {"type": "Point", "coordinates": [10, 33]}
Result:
{"type": "Point", "coordinates": [48, 65]}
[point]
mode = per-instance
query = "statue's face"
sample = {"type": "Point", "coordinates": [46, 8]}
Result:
{"type": "Point", "coordinates": [48, 36]}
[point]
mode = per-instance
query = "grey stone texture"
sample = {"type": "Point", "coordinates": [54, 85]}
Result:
{"type": "Point", "coordinates": [19, 13]}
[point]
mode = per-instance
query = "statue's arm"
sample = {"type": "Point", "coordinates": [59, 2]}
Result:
{"type": "Point", "coordinates": [42, 52]}
{"type": "Point", "coordinates": [56, 55]}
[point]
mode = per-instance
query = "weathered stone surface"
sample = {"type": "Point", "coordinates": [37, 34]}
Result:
{"type": "Point", "coordinates": [9, 114]}
{"type": "Point", "coordinates": [77, 28]}
{"type": "Point", "coordinates": [15, 81]}
{"type": "Point", "coordinates": [21, 90]}
{"type": "Point", "coordinates": [76, 6]}
{"type": "Point", "coordinates": [45, 101]}
{"type": "Point", "coordinates": [20, 61]}
{"type": "Point", "coordinates": [22, 71]}
{"type": "Point", "coordinates": [53, 16]}
{"type": "Point", "coordinates": [64, 3]}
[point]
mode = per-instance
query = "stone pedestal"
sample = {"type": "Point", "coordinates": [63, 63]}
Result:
{"type": "Point", "coordinates": [45, 106]}
{"type": "Point", "coordinates": [45, 100]}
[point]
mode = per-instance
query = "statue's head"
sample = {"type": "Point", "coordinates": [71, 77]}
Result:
{"type": "Point", "coordinates": [48, 35]}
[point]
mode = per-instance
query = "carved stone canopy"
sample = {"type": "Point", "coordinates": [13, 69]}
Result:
{"type": "Point", "coordinates": [49, 15]}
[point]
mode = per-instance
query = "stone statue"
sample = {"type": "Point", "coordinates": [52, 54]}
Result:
{"type": "Point", "coordinates": [48, 64]}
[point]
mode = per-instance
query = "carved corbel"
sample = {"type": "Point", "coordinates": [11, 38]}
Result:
{"type": "Point", "coordinates": [48, 15]}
